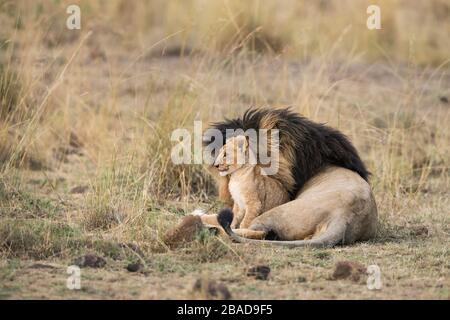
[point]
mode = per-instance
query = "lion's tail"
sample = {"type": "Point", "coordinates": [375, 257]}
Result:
{"type": "Point", "coordinates": [334, 234]}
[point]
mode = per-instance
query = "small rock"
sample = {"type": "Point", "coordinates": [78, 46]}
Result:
{"type": "Point", "coordinates": [184, 232]}
{"type": "Point", "coordinates": [348, 269]}
{"type": "Point", "coordinates": [260, 272]}
{"type": "Point", "coordinates": [90, 260]}
{"type": "Point", "coordinates": [210, 289]}
{"type": "Point", "coordinates": [79, 189]}
{"type": "Point", "coordinates": [134, 267]}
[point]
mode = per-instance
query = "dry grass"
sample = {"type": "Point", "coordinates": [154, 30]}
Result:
{"type": "Point", "coordinates": [94, 111]}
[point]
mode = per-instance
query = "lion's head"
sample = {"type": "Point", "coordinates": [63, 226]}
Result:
{"type": "Point", "coordinates": [306, 147]}
{"type": "Point", "coordinates": [233, 155]}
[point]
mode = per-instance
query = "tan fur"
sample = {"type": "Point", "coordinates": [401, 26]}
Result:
{"type": "Point", "coordinates": [336, 206]}
{"type": "Point", "coordinates": [252, 192]}
{"type": "Point", "coordinates": [285, 162]}
{"type": "Point", "coordinates": [224, 192]}
{"type": "Point", "coordinates": [286, 157]}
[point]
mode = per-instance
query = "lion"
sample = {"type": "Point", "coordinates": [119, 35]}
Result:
{"type": "Point", "coordinates": [334, 207]}
{"type": "Point", "coordinates": [331, 201]}
{"type": "Point", "coordinates": [251, 191]}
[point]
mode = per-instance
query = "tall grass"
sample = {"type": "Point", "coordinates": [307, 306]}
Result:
{"type": "Point", "coordinates": [99, 110]}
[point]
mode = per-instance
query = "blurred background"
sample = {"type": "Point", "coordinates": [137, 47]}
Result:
{"type": "Point", "coordinates": [412, 31]}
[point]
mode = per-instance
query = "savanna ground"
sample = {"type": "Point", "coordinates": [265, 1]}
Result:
{"type": "Point", "coordinates": [86, 117]}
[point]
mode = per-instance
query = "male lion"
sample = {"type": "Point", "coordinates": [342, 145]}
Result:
{"type": "Point", "coordinates": [331, 200]}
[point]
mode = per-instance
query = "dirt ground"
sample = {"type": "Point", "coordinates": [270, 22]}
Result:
{"type": "Point", "coordinates": [414, 267]}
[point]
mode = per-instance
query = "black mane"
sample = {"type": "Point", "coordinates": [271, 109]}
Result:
{"type": "Point", "coordinates": [315, 145]}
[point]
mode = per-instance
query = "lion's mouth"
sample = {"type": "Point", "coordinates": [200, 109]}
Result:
{"type": "Point", "coordinates": [223, 171]}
